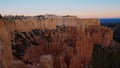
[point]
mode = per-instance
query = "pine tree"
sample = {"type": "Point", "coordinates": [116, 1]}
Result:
{"type": "Point", "coordinates": [0, 16]}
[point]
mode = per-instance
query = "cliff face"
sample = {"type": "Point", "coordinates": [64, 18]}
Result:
{"type": "Point", "coordinates": [68, 46]}
{"type": "Point", "coordinates": [71, 47]}
{"type": "Point", "coordinates": [49, 22]}
{"type": "Point", "coordinates": [5, 47]}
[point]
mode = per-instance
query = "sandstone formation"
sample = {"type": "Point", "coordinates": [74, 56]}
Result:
{"type": "Point", "coordinates": [52, 41]}
{"type": "Point", "coordinates": [67, 47]}
{"type": "Point", "coordinates": [46, 61]}
{"type": "Point", "coordinates": [17, 64]}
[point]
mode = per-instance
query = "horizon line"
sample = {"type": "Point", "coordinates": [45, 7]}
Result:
{"type": "Point", "coordinates": [99, 17]}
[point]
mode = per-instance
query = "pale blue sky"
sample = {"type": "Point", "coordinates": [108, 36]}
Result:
{"type": "Point", "coordinates": [81, 8]}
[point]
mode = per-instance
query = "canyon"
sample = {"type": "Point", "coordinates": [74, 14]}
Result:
{"type": "Point", "coordinates": [51, 41]}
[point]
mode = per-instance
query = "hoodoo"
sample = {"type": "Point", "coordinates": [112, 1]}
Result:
{"type": "Point", "coordinates": [51, 41]}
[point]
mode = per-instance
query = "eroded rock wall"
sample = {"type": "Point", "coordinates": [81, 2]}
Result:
{"type": "Point", "coordinates": [69, 47]}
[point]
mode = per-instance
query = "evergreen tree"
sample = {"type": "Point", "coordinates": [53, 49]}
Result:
{"type": "Point", "coordinates": [0, 16]}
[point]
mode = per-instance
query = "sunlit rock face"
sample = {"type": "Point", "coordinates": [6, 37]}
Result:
{"type": "Point", "coordinates": [46, 61]}
{"type": "Point", "coordinates": [52, 41]}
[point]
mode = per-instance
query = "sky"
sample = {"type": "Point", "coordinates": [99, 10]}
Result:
{"type": "Point", "coordinates": [80, 8]}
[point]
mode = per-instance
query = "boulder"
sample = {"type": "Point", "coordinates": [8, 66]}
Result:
{"type": "Point", "coordinates": [46, 61]}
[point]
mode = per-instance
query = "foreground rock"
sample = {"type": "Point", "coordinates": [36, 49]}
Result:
{"type": "Point", "coordinates": [46, 61]}
{"type": "Point", "coordinates": [17, 64]}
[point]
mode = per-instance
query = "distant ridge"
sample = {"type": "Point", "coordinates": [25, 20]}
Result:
{"type": "Point", "coordinates": [103, 20]}
{"type": "Point", "coordinates": [110, 21]}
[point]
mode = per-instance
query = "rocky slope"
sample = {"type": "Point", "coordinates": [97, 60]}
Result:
{"type": "Point", "coordinates": [37, 42]}
{"type": "Point", "coordinates": [69, 47]}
